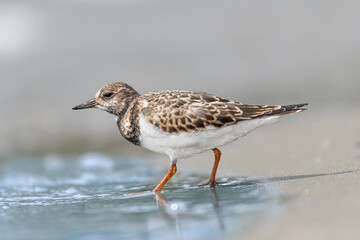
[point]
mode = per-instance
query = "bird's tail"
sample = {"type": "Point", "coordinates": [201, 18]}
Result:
{"type": "Point", "coordinates": [287, 109]}
{"type": "Point", "coordinates": [259, 111]}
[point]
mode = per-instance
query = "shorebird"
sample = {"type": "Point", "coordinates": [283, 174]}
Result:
{"type": "Point", "coordinates": [182, 123]}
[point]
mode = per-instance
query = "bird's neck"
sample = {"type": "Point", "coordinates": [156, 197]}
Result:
{"type": "Point", "coordinates": [125, 105]}
{"type": "Point", "coordinates": [128, 122]}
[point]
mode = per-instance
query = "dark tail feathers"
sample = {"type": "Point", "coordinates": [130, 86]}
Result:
{"type": "Point", "coordinates": [287, 109]}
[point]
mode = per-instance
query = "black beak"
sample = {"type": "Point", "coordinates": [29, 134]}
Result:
{"type": "Point", "coordinates": [89, 104]}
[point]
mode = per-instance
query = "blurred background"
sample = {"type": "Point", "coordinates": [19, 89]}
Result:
{"type": "Point", "coordinates": [56, 54]}
{"type": "Point", "coordinates": [304, 175]}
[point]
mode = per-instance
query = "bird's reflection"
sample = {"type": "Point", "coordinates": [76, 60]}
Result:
{"type": "Point", "coordinates": [170, 212]}
{"type": "Point", "coordinates": [173, 216]}
{"type": "Point", "coordinates": [217, 208]}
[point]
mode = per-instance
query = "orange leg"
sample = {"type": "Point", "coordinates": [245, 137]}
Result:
{"type": "Point", "coordinates": [171, 173]}
{"type": "Point", "coordinates": [212, 180]}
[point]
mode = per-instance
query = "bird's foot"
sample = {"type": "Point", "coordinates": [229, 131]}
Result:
{"type": "Point", "coordinates": [211, 183]}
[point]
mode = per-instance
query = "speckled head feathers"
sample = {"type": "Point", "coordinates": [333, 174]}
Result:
{"type": "Point", "coordinates": [113, 98]}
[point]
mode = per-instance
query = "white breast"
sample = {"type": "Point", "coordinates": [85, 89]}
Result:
{"type": "Point", "coordinates": [183, 145]}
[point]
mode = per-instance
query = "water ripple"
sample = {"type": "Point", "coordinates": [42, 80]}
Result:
{"type": "Point", "coordinates": [97, 197]}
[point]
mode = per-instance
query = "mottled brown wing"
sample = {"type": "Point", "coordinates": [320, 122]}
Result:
{"type": "Point", "coordinates": [185, 111]}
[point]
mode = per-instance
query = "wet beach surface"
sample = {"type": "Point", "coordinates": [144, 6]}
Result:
{"type": "Point", "coordinates": [91, 196]}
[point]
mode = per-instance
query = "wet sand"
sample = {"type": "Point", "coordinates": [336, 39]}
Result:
{"type": "Point", "coordinates": [313, 160]}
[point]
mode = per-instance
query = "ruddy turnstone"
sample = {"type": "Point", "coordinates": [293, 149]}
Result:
{"type": "Point", "coordinates": [182, 123]}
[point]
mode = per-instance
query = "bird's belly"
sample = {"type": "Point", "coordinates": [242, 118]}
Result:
{"type": "Point", "coordinates": [183, 145]}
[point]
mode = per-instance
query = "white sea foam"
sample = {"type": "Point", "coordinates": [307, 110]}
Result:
{"type": "Point", "coordinates": [95, 161]}
{"type": "Point", "coordinates": [67, 192]}
{"type": "Point", "coordinates": [53, 162]}
{"type": "Point", "coordinates": [24, 180]}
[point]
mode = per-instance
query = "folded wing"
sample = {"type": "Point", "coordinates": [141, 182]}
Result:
{"type": "Point", "coordinates": [185, 111]}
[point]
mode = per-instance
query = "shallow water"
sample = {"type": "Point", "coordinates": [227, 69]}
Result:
{"type": "Point", "coordinates": [90, 197]}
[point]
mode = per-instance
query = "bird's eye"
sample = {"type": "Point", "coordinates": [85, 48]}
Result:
{"type": "Point", "coordinates": [108, 94]}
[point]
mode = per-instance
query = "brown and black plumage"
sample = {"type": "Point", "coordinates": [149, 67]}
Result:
{"type": "Point", "coordinates": [186, 111]}
{"type": "Point", "coordinates": [182, 123]}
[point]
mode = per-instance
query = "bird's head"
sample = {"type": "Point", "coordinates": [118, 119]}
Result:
{"type": "Point", "coordinates": [114, 98]}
